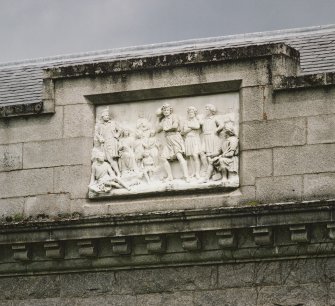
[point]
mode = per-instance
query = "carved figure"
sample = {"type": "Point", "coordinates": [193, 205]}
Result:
{"type": "Point", "coordinates": [210, 129]}
{"type": "Point", "coordinates": [151, 143]}
{"type": "Point", "coordinates": [197, 148]}
{"type": "Point", "coordinates": [143, 125]}
{"type": "Point", "coordinates": [175, 147]}
{"type": "Point", "coordinates": [107, 134]}
{"type": "Point", "coordinates": [193, 146]}
{"type": "Point", "coordinates": [148, 165]}
{"type": "Point", "coordinates": [226, 161]}
{"type": "Point", "coordinates": [126, 152]}
{"type": "Point", "coordinates": [139, 147]}
{"type": "Point", "coordinates": [103, 178]}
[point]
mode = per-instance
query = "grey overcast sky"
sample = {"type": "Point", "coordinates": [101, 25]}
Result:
{"type": "Point", "coordinates": [40, 28]}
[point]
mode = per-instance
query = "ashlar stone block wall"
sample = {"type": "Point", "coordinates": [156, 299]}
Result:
{"type": "Point", "coordinates": [287, 145]}
{"type": "Point", "coordinates": [286, 137]}
{"type": "Point", "coordinates": [307, 282]}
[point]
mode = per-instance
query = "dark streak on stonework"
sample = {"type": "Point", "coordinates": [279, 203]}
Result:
{"type": "Point", "coordinates": [304, 81]}
{"type": "Point", "coordinates": [21, 109]}
{"type": "Point", "coordinates": [173, 60]}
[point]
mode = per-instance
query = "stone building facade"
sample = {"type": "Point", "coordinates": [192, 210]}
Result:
{"type": "Point", "coordinates": [266, 238]}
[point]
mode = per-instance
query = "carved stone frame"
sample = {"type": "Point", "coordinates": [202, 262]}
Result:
{"type": "Point", "coordinates": [188, 90]}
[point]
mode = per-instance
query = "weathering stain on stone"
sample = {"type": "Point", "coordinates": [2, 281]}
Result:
{"type": "Point", "coordinates": [172, 60]}
{"type": "Point", "coordinates": [304, 81]}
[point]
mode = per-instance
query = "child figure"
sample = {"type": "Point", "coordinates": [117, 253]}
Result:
{"type": "Point", "coordinates": [139, 147]}
{"type": "Point", "coordinates": [148, 165]}
{"type": "Point", "coordinates": [226, 161]}
{"type": "Point", "coordinates": [103, 178]}
{"type": "Point", "coordinates": [151, 144]}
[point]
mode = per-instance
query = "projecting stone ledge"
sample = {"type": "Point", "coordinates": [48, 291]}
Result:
{"type": "Point", "coordinates": [11, 110]}
{"type": "Point", "coordinates": [264, 232]}
{"type": "Point", "coordinates": [304, 81]}
{"type": "Point", "coordinates": [173, 60]}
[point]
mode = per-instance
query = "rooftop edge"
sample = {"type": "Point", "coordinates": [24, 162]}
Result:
{"type": "Point", "coordinates": [175, 46]}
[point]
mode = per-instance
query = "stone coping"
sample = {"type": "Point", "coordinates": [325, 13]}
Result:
{"type": "Point", "coordinates": [172, 60]}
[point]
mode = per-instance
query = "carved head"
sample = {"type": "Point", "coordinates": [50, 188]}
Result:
{"type": "Point", "coordinates": [146, 153]}
{"type": "Point", "coordinates": [192, 111]}
{"type": "Point", "coordinates": [230, 129]}
{"type": "Point", "coordinates": [100, 156]}
{"type": "Point", "coordinates": [166, 109]}
{"type": "Point", "coordinates": [97, 155]}
{"type": "Point", "coordinates": [210, 109]}
{"type": "Point", "coordinates": [125, 133]}
{"type": "Point", "coordinates": [105, 115]}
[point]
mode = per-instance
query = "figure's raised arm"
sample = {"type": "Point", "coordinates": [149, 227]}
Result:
{"type": "Point", "coordinates": [159, 128]}
{"type": "Point", "coordinates": [175, 122]}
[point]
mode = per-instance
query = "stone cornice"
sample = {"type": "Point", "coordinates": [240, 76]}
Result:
{"type": "Point", "coordinates": [304, 81]}
{"type": "Point", "coordinates": [186, 58]}
{"type": "Point", "coordinates": [29, 108]}
{"type": "Point", "coordinates": [250, 233]}
{"type": "Point", "coordinates": [254, 210]}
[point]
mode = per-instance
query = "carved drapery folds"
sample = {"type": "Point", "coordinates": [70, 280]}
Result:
{"type": "Point", "coordinates": [158, 147]}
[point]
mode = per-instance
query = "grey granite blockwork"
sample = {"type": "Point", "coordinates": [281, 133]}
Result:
{"type": "Point", "coordinates": [191, 173]}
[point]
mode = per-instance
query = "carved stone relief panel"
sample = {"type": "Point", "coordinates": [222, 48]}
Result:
{"type": "Point", "coordinates": [166, 145]}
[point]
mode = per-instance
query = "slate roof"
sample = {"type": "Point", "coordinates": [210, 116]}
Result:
{"type": "Point", "coordinates": [21, 82]}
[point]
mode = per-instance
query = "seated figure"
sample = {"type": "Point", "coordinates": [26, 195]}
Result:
{"type": "Point", "coordinates": [103, 178]}
{"type": "Point", "coordinates": [226, 160]}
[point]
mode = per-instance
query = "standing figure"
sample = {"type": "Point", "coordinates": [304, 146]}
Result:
{"type": "Point", "coordinates": [126, 152]}
{"type": "Point", "coordinates": [148, 166]}
{"type": "Point", "coordinates": [193, 147]}
{"type": "Point", "coordinates": [103, 178]}
{"type": "Point", "coordinates": [139, 147]}
{"type": "Point", "coordinates": [226, 161]}
{"type": "Point", "coordinates": [107, 134]}
{"type": "Point", "coordinates": [175, 148]}
{"type": "Point", "coordinates": [210, 129]}
{"type": "Point", "coordinates": [151, 144]}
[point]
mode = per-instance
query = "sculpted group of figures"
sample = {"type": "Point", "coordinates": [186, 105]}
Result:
{"type": "Point", "coordinates": [209, 145]}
